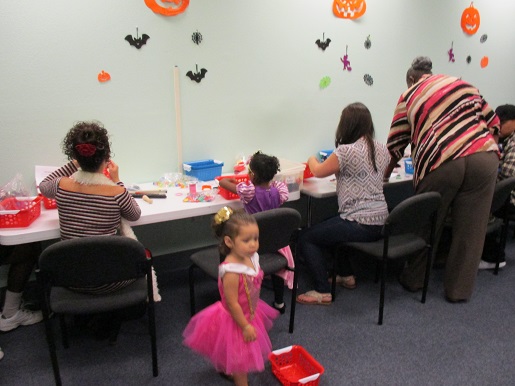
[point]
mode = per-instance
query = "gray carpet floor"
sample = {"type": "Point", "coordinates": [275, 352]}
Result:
{"type": "Point", "coordinates": [436, 343]}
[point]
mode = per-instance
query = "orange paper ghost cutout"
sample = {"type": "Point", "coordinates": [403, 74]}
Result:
{"type": "Point", "coordinates": [179, 7]}
{"type": "Point", "coordinates": [470, 20]}
{"type": "Point", "coordinates": [349, 9]}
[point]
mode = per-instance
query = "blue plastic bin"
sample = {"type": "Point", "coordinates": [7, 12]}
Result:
{"type": "Point", "coordinates": [204, 170]}
{"type": "Point", "coordinates": [323, 154]}
{"type": "Point", "coordinates": [408, 166]}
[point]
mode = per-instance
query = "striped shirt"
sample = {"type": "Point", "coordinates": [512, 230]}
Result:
{"type": "Point", "coordinates": [359, 187]}
{"type": "Point", "coordinates": [444, 118]}
{"type": "Point", "coordinates": [82, 214]}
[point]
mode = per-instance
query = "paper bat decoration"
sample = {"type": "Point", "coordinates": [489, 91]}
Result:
{"type": "Point", "coordinates": [198, 76]}
{"type": "Point", "coordinates": [137, 41]}
{"type": "Point", "coordinates": [323, 44]}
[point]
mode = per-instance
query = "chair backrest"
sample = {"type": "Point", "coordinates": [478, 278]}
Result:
{"type": "Point", "coordinates": [93, 261]}
{"type": "Point", "coordinates": [502, 193]}
{"type": "Point", "coordinates": [413, 213]}
{"type": "Point", "coordinates": [396, 192]}
{"type": "Point", "coordinates": [275, 228]}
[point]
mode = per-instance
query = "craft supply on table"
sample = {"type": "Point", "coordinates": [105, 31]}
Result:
{"type": "Point", "coordinates": [147, 199]}
{"type": "Point", "coordinates": [207, 195]}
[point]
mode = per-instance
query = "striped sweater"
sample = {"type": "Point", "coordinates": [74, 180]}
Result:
{"type": "Point", "coordinates": [83, 214]}
{"type": "Point", "coordinates": [444, 118]}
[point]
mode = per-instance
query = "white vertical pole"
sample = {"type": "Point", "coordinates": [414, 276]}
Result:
{"type": "Point", "coordinates": [178, 127]}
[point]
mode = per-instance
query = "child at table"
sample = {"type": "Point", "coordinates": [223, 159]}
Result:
{"type": "Point", "coordinates": [260, 193]}
{"type": "Point", "coordinates": [232, 333]}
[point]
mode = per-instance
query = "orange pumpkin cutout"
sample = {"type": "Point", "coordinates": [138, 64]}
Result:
{"type": "Point", "coordinates": [178, 7]}
{"type": "Point", "coordinates": [103, 76]}
{"type": "Point", "coordinates": [349, 9]}
{"type": "Point", "coordinates": [484, 61]}
{"type": "Point", "coordinates": [470, 20]}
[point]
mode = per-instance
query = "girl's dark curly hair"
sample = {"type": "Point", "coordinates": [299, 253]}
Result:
{"type": "Point", "coordinates": [230, 227]}
{"type": "Point", "coordinates": [94, 136]}
{"type": "Point", "coordinates": [264, 167]}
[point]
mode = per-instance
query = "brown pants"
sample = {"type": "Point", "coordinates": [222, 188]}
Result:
{"type": "Point", "coordinates": [467, 186]}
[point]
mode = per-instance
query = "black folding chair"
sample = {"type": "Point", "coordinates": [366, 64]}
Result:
{"type": "Point", "coordinates": [92, 262]}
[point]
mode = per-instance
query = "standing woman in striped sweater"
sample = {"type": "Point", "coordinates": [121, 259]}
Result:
{"type": "Point", "coordinates": [453, 136]}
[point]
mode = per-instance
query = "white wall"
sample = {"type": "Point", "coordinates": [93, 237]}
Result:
{"type": "Point", "coordinates": [261, 90]}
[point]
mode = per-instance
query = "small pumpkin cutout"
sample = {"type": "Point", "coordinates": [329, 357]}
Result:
{"type": "Point", "coordinates": [349, 9]}
{"type": "Point", "coordinates": [470, 20]}
{"type": "Point", "coordinates": [484, 61]}
{"type": "Point", "coordinates": [178, 7]}
{"type": "Point", "coordinates": [103, 76]}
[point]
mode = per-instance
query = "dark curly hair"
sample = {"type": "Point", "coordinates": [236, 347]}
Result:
{"type": "Point", "coordinates": [88, 133]}
{"type": "Point", "coordinates": [230, 228]}
{"type": "Point", "coordinates": [264, 167]}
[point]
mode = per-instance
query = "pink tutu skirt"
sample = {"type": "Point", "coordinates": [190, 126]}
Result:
{"type": "Point", "coordinates": [214, 334]}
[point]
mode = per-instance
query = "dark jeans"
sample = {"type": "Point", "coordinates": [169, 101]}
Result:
{"type": "Point", "coordinates": [318, 242]}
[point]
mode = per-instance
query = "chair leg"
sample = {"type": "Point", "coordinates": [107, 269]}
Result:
{"type": "Point", "coordinates": [192, 288]}
{"type": "Point", "coordinates": [382, 291]}
{"type": "Point", "coordinates": [293, 301]}
{"type": "Point", "coordinates": [64, 331]}
{"type": "Point", "coordinates": [51, 346]}
{"type": "Point", "coordinates": [426, 274]}
{"type": "Point", "coordinates": [502, 245]}
{"type": "Point", "coordinates": [153, 339]}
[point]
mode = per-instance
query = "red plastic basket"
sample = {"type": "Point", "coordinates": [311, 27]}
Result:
{"type": "Point", "coordinates": [294, 366]}
{"type": "Point", "coordinates": [49, 203]}
{"type": "Point", "coordinates": [24, 212]}
{"type": "Point", "coordinates": [230, 195]}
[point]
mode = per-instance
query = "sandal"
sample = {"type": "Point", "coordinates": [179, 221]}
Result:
{"type": "Point", "coordinates": [348, 282]}
{"type": "Point", "coordinates": [314, 297]}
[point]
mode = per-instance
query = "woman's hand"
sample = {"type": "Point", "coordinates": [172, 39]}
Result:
{"type": "Point", "coordinates": [112, 168]}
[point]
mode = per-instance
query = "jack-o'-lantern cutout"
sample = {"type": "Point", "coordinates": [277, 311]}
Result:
{"type": "Point", "coordinates": [349, 9]}
{"type": "Point", "coordinates": [103, 76]}
{"type": "Point", "coordinates": [178, 6]}
{"type": "Point", "coordinates": [470, 20]}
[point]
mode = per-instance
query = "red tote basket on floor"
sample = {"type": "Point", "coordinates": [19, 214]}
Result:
{"type": "Point", "coordinates": [294, 366]}
{"type": "Point", "coordinates": [19, 212]}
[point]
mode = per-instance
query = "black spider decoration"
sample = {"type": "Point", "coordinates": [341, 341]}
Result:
{"type": "Point", "coordinates": [197, 76]}
{"type": "Point", "coordinates": [323, 44]}
{"type": "Point", "coordinates": [137, 41]}
{"type": "Point", "coordinates": [368, 43]}
{"type": "Point", "coordinates": [483, 38]}
{"type": "Point", "coordinates": [469, 59]}
{"type": "Point", "coordinates": [367, 78]}
{"type": "Point", "coordinates": [196, 37]}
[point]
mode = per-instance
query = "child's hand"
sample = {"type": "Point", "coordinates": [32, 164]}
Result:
{"type": "Point", "coordinates": [249, 333]}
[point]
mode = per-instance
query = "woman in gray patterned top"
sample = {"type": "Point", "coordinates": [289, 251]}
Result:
{"type": "Point", "coordinates": [358, 162]}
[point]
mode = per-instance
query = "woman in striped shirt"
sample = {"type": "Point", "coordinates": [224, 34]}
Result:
{"type": "Point", "coordinates": [89, 203]}
{"type": "Point", "coordinates": [453, 136]}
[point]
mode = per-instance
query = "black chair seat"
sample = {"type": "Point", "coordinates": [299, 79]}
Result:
{"type": "Point", "coordinates": [64, 300]}
{"type": "Point", "coordinates": [398, 246]}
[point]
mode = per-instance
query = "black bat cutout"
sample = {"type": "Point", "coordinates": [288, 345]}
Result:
{"type": "Point", "coordinates": [323, 45]}
{"type": "Point", "coordinates": [198, 76]}
{"type": "Point", "coordinates": [137, 42]}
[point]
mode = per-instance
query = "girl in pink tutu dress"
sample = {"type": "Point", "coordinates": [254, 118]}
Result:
{"type": "Point", "coordinates": [232, 333]}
